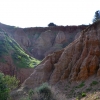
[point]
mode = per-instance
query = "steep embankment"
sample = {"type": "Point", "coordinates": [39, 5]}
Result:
{"type": "Point", "coordinates": [13, 59]}
{"type": "Point", "coordinates": [39, 42]}
{"type": "Point", "coordinates": [77, 62]}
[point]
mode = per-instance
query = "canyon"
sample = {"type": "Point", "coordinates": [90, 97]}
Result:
{"type": "Point", "coordinates": [70, 55]}
{"type": "Point", "coordinates": [37, 42]}
{"type": "Point", "coordinates": [76, 62]}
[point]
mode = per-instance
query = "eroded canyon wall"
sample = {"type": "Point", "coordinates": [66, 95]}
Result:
{"type": "Point", "coordinates": [77, 61]}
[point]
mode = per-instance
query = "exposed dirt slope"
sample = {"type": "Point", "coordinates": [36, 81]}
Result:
{"type": "Point", "coordinates": [78, 61]}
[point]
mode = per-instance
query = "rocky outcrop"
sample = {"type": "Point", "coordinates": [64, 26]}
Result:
{"type": "Point", "coordinates": [44, 70]}
{"type": "Point", "coordinates": [60, 37]}
{"type": "Point", "coordinates": [20, 36]}
{"type": "Point", "coordinates": [58, 44]}
{"type": "Point", "coordinates": [39, 42]}
{"type": "Point", "coordinates": [20, 74]}
{"type": "Point", "coordinates": [8, 68]}
{"type": "Point", "coordinates": [78, 61]}
{"type": "Point", "coordinates": [43, 43]}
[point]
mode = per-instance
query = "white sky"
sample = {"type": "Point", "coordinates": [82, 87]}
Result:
{"type": "Point", "coordinates": [32, 13]}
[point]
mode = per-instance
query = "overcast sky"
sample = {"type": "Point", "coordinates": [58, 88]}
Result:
{"type": "Point", "coordinates": [39, 13]}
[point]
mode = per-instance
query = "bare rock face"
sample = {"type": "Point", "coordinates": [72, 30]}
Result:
{"type": "Point", "coordinates": [58, 45]}
{"type": "Point", "coordinates": [60, 37]}
{"type": "Point", "coordinates": [55, 47]}
{"type": "Point", "coordinates": [44, 70]}
{"type": "Point", "coordinates": [53, 39]}
{"type": "Point", "coordinates": [78, 61]}
{"type": "Point", "coordinates": [20, 36]}
{"type": "Point", "coordinates": [43, 43]}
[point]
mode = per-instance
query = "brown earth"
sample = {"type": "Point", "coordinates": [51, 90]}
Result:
{"type": "Point", "coordinates": [77, 62]}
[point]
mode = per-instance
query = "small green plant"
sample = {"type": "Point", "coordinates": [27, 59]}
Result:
{"type": "Point", "coordinates": [31, 92]}
{"type": "Point", "coordinates": [83, 94]}
{"type": "Point", "coordinates": [94, 83]}
{"type": "Point", "coordinates": [80, 85]}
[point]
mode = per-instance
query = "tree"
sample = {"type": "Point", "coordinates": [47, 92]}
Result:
{"type": "Point", "coordinates": [51, 24]}
{"type": "Point", "coordinates": [7, 83]}
{"type": "Point", "coordinates": [96, 16]}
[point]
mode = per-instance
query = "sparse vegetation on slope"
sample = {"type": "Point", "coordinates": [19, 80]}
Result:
{"type": "Point", "coordinates": [43, 92]}
{"type": "Point", "coordinates": [9, 47]}
{"type": "Point", "coordinates": [47, 92]}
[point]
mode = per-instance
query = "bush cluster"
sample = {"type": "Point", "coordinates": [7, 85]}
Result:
{"type": "Point", "coordinates": [7, 83]}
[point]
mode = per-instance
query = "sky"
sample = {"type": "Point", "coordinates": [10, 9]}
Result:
{"type": "Point", "coordinates": [39, 13]}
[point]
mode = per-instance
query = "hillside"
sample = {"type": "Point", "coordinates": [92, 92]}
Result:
{"type": "Point", "coordinates": [74, 70]}
{"type": "Point", "coordinates": [41, 41]}
{"type": "Point", "coordinates": [13, 59]}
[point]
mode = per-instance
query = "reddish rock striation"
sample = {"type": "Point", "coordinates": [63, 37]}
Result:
{"type": "Point", "coordinates": [78, 61]}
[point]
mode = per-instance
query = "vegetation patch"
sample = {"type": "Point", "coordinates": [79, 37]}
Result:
{"type": "Point", "coordinates": [23, 60]}
{"type": "Point", "coordinates": [81, 85]}
{"type": "Point", "coordinates": [41, 93]}
{"type": "Point", "coordinates": [94, 83]}
{"type": "Point", "coordinates": [7, 83]}
{"type": "Point", "coordinates": [9, 47]}
{"type": "Point", "coordinates": [83, 94]}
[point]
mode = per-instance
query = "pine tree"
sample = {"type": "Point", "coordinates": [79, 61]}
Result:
{"type": "Point", "coordinates": [96, 16]}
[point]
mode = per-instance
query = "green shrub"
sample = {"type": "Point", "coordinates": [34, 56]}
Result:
{"type": "Point", "coordinates": [7, 83]}
{"type": "Point", "coordinates": [80, 85]}
{"type": "Point", "coordinates": [83, 94]}
{"type": "Point", "coordinates": [31, 92]}
{"type": "Point", "coordinates": [44, 91]}
{"type": "Point", "coordinates": [94, 83]}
